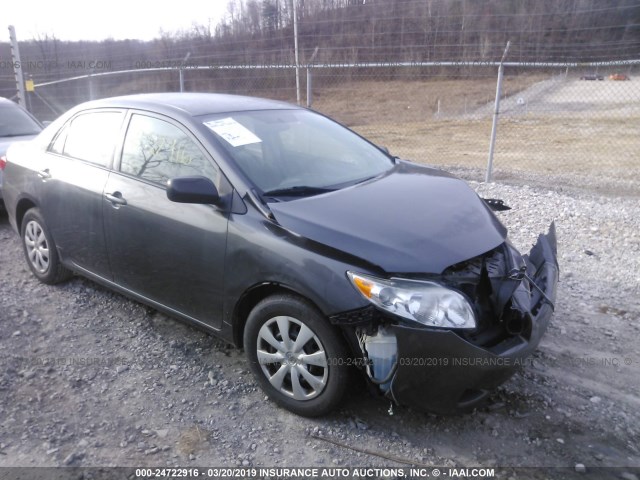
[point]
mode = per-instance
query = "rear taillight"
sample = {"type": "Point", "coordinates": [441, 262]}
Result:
{"type": "Point", "coordinates": [3, 162]}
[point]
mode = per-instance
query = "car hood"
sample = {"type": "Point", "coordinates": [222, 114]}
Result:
{"type": "Point", "coordinates": [412, 220]}
{"type": "Point", "coordinates": [5, 142]}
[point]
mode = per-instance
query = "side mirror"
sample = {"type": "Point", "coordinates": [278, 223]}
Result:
{"type": "Point", "coordinates": [192, 190]}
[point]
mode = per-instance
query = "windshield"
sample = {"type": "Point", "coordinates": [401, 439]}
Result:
{"type": "Point", "coordinates": [296, 151]}
{"type": "Point", "coordinates": [15, 122]}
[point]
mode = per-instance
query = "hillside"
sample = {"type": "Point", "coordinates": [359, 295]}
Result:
{"type": "Point", "coordinates": [261, 31]}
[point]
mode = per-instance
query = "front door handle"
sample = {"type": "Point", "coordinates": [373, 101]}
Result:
{"type": "Point", "coordinates": [115, 198]}
{"type": "Point", "coordinates": [44, 174]}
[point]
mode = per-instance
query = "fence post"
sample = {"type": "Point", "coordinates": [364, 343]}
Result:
{"type": "Point", "coordinates": [496, 112]}
{"type": "Point", "coordinates": [90, 81]}
{"type": "Point", "coordinates": [296, 53]}
{"type": "Point", "coordinates": [27, 94]}
{"type": "Point", "coordinates": [17, 65]}
{"type": "Point", "coordinates": [181, 71]}
{"type": "Point", "coordinates": [310, 79]}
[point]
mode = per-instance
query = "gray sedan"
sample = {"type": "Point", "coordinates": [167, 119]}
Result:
{"type": "Point", "coordinates": [291, 236]}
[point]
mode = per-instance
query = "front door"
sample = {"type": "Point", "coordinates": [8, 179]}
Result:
{"type": "Point", "coordinates": [171, 253]}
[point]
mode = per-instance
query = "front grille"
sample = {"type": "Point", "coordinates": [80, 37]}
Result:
{"type": "Point", "coordinates": [485, 281]}
{"type": "Point", "coordinates": [494, 261]}
{"type": "Point", "coordinates": [361, 316]}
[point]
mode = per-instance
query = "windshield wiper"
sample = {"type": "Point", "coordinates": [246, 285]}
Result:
{"type": "Point", "coordinates": [297, 191]}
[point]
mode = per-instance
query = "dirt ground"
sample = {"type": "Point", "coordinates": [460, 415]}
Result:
{"type": "Point", "coordinates": [548, 125]}
{"type": "Point", "coordinates": [90, 378]}
{"type": "Point", "coordinates": [370, 102]}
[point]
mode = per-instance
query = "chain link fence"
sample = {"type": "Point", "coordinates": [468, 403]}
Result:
{"type": "Point", "coordinates": [561, 125]}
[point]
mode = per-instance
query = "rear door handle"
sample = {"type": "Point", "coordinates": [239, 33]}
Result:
{"type": "Point", "coordinates": [115, 198]}
{"type": "Point", "coordinates": [44, 174]}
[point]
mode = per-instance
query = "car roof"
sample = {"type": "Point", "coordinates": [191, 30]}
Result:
{"type": "Point", "coordinates": [192, 104]}
{"type": "Point", "coordinates": [9, 105]}
{"type": "Point", "coordinates": [6, 101]}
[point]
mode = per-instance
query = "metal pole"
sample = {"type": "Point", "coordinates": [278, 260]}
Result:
{"type": "Point", "coordinates": [91, 93]}
{"type": "Point", "coordinates": [295, 40]}
{"type": "Point", "coordinates": [17, 65]}
{"type": "Point", "coordinates": [181, 71]}
{"type": "Point", "coordinates": [27, 95]}
{"type": "Point", "coordinates": [496, 112]}
{"type": "Point", "coordinates": [309, 86]}
{"type": "Point", "coordinates": [309, 79]}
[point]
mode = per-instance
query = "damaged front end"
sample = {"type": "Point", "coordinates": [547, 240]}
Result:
{"type": "Point", "coordinates": [445, 356]}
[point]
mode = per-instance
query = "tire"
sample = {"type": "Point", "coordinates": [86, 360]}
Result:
{"type": "Point", "coordinates": [308, 379]}
{"type": "Point", "coordinates": [40, 250]}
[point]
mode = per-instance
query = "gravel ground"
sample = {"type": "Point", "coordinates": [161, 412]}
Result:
{"type": "Point", "coordinates": [90, 378]}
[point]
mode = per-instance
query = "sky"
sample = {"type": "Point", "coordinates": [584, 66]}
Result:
{"type": "Point", "coordinates": [116, 19]}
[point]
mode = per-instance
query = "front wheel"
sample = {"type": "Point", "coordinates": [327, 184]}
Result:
{"type": "Point", "coordinates": [40, 250]}
{"type": "Point", "coordinates": [297, 357]}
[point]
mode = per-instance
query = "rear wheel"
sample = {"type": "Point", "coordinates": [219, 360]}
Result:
{"type": "Point", "coordinates": [40, 250]}
{"type": "Point", "coordinates": [297, 357]}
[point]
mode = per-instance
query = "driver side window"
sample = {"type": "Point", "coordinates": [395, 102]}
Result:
{"type": "Point", "coordinates": [156, 151]}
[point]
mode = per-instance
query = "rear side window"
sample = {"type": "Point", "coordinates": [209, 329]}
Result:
{"type": "Point", "coordinates": [57, 146]}
{"type": "Point", "coordinates": [157, 151]}
{"type": "Point", "coordinates": [92, 137]}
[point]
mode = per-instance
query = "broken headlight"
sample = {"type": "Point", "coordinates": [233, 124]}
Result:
{"type": "Point", "coordinates": [424, 302]}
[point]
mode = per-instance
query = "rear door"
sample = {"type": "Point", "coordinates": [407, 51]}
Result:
{"type": "Point", "coordinates": [73, 173]}
{"type": "Point", "coordinates": [171, 253]}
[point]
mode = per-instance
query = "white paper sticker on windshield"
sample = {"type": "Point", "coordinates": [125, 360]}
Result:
{"type": "Point", "coordinates": [233, 132]}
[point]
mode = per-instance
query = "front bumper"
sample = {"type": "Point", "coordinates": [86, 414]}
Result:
{"type": "Point", "coordinates": [441, 372]}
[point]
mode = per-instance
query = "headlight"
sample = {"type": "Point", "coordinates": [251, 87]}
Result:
{"type": "Point", "coordinates": [425, 302]}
